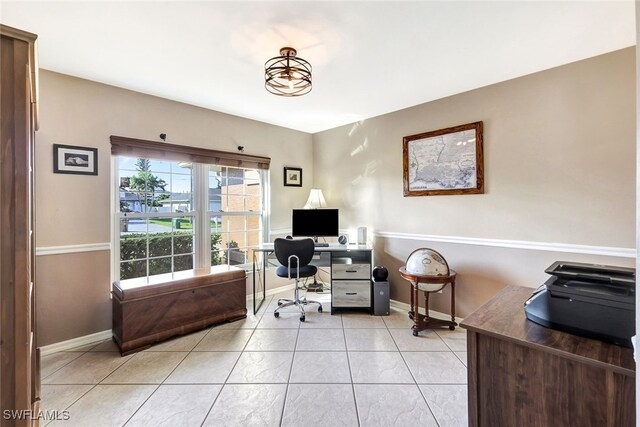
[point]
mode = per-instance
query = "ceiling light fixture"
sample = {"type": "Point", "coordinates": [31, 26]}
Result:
{"type": "Point", "coordinates": [287, 75]}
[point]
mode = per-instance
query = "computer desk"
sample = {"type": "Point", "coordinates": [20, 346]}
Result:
{"type": "Point", "coordinates": [324, 256]}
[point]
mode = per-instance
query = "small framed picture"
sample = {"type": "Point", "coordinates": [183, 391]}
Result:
{"type": "Point", "coordinates": [75, 160]}
{"type": "Point", "coordinates": [292, 177]}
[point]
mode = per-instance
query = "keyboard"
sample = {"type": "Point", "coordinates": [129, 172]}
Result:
{"type": "Point", "coordinates": [321, 245]}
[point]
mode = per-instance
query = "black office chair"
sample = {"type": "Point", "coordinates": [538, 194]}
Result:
{"type": "Point", "coordinates": [296, 256]}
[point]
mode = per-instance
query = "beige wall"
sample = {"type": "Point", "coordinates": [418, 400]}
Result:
{"type": "Point", "coordinates": [559, 150]}
{"type": "Point", "coordinates": [74, 210]}
{"type": "Point", "coordinates": [559, 167]}
{"type": "Point", "coordinates": [481, 270]}
{"type": "Point", "coordinates": [73, 295]}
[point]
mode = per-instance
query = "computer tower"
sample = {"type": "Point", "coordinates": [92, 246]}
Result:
{"type": "Point", "coordinates": [381, 299]}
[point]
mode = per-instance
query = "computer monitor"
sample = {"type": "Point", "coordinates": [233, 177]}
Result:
{"type": "Point", "coordinates": [315, 222]}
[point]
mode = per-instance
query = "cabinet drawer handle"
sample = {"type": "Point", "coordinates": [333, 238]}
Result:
{"type": "Point", "coordinates": [351, 271]}
{"type": "Point", "coordinates": [352, 293]}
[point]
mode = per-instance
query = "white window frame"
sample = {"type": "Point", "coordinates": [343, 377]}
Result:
{"type": "Point", "coordinates": [200, 215]}
{"type": "Point", "coordinates": [263, 176]}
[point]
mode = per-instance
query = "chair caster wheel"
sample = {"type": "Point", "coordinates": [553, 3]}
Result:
{"type": "Point", "coordinates": [302, 318]}
{"type": "Point", "coordinates": [452, 328]}
{"type": "Point", "coordinates": [276, 314]}
{"type": "Point", "coordinates": [320, 309]}
{"type": "Point", "coordinates": [415, 333]}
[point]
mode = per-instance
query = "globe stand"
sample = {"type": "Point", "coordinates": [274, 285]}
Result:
{"type": "Point", "coordinates": [424, 321]}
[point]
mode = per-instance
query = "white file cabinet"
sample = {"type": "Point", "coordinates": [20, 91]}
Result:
{"type": "Point", "coordinates": [351, 279]}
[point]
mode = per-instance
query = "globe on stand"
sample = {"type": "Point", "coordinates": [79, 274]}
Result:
{"type": "Point", "coordinates": [427, 262]}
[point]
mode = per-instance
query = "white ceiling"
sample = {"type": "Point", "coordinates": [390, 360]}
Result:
{"type": "Point", "coordinates": [368, 58]}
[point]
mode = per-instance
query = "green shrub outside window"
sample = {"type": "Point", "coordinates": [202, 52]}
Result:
{"type": "Point", "coordinates": [133, 247]}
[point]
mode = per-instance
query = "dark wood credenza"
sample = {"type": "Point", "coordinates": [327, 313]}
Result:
{"type": "Point", "coordinates": [149, 310]}
{"type": "Point", "coordinates": [522, 374]}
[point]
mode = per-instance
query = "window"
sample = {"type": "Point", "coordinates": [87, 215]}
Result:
{"type": "Point", "coordinates": [235, 213]}
{"type": "Point", "coordinates": [180, 208]}
{"type": "Point", "coordinates": [177, 215]}
{"type": "Point", "coordinates": [156, 218]}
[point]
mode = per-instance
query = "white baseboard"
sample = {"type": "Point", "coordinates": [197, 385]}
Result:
{"type": "Point", "coordinates": [273, 291]}
{"type": "Point", "coordinates": [75, 342]}
{"type": "Point", "coordinates": [105, 335]}
{"type": "Point", "coordinates": [395, 304]}
{"type": "Point", "coordinates": [279, 289]}
{"type": "Point", "coordinates": [432, 313]}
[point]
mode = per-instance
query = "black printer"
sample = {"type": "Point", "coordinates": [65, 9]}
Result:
{"type": "Point", "coordinates": [595, 301]}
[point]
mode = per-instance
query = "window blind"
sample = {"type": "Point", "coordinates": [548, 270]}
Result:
{"type": "Point", "coordinates": [131, 147]}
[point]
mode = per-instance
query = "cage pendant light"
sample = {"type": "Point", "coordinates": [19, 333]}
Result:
{"type": "Point", "coordinates": [287, 74]}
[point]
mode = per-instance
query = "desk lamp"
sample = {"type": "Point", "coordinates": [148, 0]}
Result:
{"type": "Point", "coordinates": [316, 199]}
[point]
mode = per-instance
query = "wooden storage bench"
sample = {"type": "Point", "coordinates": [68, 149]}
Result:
{"type": "Point", "coordinates": [148, 310]}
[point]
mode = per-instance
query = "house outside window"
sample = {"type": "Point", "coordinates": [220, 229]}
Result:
{"type": "Point", "coordinates": [235, 203]}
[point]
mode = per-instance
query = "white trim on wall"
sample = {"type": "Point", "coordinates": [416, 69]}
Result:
{"type": "Point", "coordinates": [512, 244]}
{"type": "Point", "coordinates": [288, 231]}
{"type": "Point", "coordinates": [432, 313]}
{"type": "Point", "coordinates": [279, 231]}
{"type": "Point", "coordinates": [105, 335]}
{"type": "Point", "coordinates": [69, 249]}
{"type": "Point", "coordinates": [75, 342]}
{"type": "Point", "coordinates": [515, 244]}
{"type": "Point", "coordinates": [269, 293]}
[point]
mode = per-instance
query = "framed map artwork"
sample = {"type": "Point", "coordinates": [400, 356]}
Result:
{"type": "Point", "coordinates": [445, 161]}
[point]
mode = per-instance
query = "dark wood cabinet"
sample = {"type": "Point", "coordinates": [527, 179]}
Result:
{"type": "Point", "coordinates": [19, 368]}
{"type": "Point", "coordinates": [149, 310]}
{"type": "Point", "coordinates": [522, 374]}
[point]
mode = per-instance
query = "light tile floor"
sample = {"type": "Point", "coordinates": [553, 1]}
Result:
{"type": "Point", "coordinates": [348, 369]}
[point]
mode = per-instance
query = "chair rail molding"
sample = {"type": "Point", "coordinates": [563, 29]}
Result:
{"type": "Point", "coordinates": [69, 249]}
{"type": "Point", "coordinates": [285, 231]}
{"type": "Point", "coordinates": [515, 244]}
{"type": "Point", "coordinates": [279, 231]}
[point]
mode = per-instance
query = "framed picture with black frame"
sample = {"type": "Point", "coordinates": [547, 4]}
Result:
{"type": "Point", "coordinates": [292, 177]}
{"type": "Point", "coordinates": [75, 160]}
